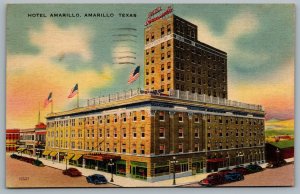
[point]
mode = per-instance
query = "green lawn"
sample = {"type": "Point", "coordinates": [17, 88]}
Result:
{"type": "Point", "coordinates": [270, 133]}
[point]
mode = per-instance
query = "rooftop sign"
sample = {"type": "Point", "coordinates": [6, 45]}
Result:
{"type": "Point", "coordinates": [151, 15]}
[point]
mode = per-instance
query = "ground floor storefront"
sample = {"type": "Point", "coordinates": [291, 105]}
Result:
{"type": "Point", "coordinates": [161, 167]}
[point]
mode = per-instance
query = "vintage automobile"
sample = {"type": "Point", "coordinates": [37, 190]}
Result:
{"type": "Point", "coordinates": [212, 179]}
{"type": "Point", "coordinates": [96, 179]}
{"type": "Point", "coordinates": [254, 168]}
{"type": "Point", "coordinates": [73, 172]}
{"type": "Point", "coordinates": [276, 164]}
{"type": "Point", "coordinates": [233, 176]}
{"type": "Point", "coordinates": [241, 170]}
{"type": "Point", "coordinates": [224, 172]}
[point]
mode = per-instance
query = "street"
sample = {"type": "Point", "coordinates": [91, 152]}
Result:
{"type": "Point", "coordinates": [20, 174]}
{"type": "Point", "coordinates": [282, 176]}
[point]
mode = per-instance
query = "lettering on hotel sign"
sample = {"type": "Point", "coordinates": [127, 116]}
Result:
{"type": "Point", "coordinates": [151, 15]}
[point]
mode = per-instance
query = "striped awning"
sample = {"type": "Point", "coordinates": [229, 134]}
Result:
{"type": "Point", "coordinates": [69, 156]}
{"type": "Point", "coordinates": [76, 157]}
{"type": "Point", "coordinates": [46, 152]}
{"type": "Point", "coordinates": [53, 153]}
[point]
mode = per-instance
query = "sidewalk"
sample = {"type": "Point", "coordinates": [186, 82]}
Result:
{"type": "Point", "coordinates": [125, 181]}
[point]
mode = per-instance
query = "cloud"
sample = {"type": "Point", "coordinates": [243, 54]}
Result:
{"type": "Point", "coordinates": [30, 78]}
{"type": "Point", "coordinates": [242, 24]}
{"type": "Point", "coordinates": [274, 91]}
{"type": "Point", "coordinates": [55, 41]}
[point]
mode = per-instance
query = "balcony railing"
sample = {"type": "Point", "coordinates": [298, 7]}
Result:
{"type": "Point", "coordinates": [174, 94]}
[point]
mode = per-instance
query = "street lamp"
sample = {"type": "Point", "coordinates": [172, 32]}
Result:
{"type": "Point", "coordinates": [277, 155]}
{"type": "Point", "coordinates": [65, 157]}
{"type": "Point", "coordinates": [240, 157]}
{"type": "Point", "coordinates": [37, 154]}
{"type": "Point", "coordinates": [174, 162]}
{"type": "Point", "coordinates": [228, 160]}
{"type": "Point", "coordinates": [111, 164]}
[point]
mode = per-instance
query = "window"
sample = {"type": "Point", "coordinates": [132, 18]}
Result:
{"type": "Point", "coordinates": [124, 132]}
{"type": "Point", "coordinates": [162, 56]}
{"type": "Point", "coordinates": [124, 115]}
{"type": "Point", "coordinates": [196, 119]}
{"type": "Point", "coordinates": [180, 132]}
{"type": "Point", "coordinates": [115, 133]}
{"type": "Point", "coordinates": [169, 43]}
{"type": "Point", "coordinates": [196, 147]}
{"type": "Point", "coordinates": [152, 69]}
{"type": "Point", "coordinates": [107, 132]}
{"type": "Point", "coordinates": [161, 116]}
{"type": "Point", "coordinates": [100, 133]}
{"type": "Point", "coordinates": [169, 65]}
{"type": "Point", "coordinates": [134, 148]}
{"type": "Point", "coordinates": [180, 148]}
{"type": "Point", "coordinates": [124, 148]}
{"type": "Point", "coordinates": [169, 76]}
{"type": "Point", "coordinates": [161, 149]}
{"type": "Point", "coordinates": [180, 117]}
{"type": "Point", "coordinates": [115, 118]}
{"type": "Point", "coordinates": [161, 132]}
{"type": "Point", "coordinates": [93, 133]}
{"type": "Point", "coordinates": [169, 29]}
{"type": "Point", "coordinates": [134, 132]}
{"type": "Point", "coordinates": [142, 149]}
{"type": "Point", "coordinates": [115, 147]}
{"type": "Point", "coordinates": [134, 116]}
{"type": "Point", "coordinates": [162, 46]}
{"type": "Point", "coordinates": [162, 78]}
{"type": "Point", "coordinates": [168, 54]}
{"type": "Point", "coordinates": [107, 147]}
{"type": "Point", "coordinates": [142, 132]}
{"type": "Point", "coordinates": [197, 133]}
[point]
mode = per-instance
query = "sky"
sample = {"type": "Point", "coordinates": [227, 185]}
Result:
{"type": "Point", "coordinates": [52, 54]}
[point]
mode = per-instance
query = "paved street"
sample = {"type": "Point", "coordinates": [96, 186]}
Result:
{"type": "Point", "coordinates": [22, 174]}
{"type": "Point", "coordinates": [283, 176]}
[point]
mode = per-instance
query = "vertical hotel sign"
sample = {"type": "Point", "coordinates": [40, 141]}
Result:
{"type": "Point", "coordinates": [156, 14]}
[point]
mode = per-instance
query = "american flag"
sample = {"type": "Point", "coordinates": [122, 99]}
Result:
{"type": "Point", "coordinates": [48, 100]}
{"type": "Point", "coordinates": [134, 75]}
{"type": "Point", "coordinates": [74, 91]}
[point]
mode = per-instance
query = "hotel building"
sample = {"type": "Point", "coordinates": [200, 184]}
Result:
{"type": "Point", "coordinates": [142, 131]}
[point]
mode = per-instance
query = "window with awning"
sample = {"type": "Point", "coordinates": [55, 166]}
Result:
{"type": "Point", "coordinates": [46, 152]}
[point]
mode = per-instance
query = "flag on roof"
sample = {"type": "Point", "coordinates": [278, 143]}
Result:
{"type": "Point", "coordinates": [74, 91]}
{"type": "Point", "coordinates": [134, 75]}
{"type": "Point", "coordinates": [48, 100]}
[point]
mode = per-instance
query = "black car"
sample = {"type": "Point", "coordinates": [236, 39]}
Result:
{"type": "Point", "coordinates": [233, 176]}
{"type": "Point", "coordinates": [254, 168]}
{"type": "Point", "coordinates": [96, 179]}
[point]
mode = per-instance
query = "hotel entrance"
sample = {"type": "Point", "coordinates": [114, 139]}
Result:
{"type": "Point", "coordinates": [138, 170]}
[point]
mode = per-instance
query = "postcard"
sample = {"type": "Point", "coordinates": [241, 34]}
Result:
{"type": "Point", "coordinates": [150, 95]}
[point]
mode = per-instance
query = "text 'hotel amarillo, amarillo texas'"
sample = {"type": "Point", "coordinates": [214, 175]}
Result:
{"type": "Point", "coordinates": [183, 111]}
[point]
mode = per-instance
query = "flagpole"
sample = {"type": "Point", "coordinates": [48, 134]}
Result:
{"type": "Point", "coordinates": [52, 105]}
{"type": "Point", "coordinates": [140, 78]}
{"type": "Point", "coordinates": [78, 98]}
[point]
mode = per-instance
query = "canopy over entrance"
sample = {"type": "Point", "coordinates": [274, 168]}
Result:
{"type": "Point", "coordinates": [102, 157]}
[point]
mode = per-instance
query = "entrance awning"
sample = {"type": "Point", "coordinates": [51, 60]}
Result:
{"type": "Point", "coordinates": [216, 160]}
{"type": "Point", "coordinates": [46, 152]}
{"type": "Point", "coordinates": [101, 157]}
{"type": "Point", "coordinates": [53, 153]}
{"type": "Point", "coordinates": [69, 156]}
{"type": "Point", "coordinates": [21, 149]}
{"type": "Point", "coordinates": [76, 157]}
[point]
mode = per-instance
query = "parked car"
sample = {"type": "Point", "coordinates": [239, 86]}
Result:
{"type": "Point", "coordinates": [38, 163]}
{"type": "Point", "coordinates": [224, 172]}
{"type": "Point", "coordinates": [14, 156]}
{"type": "Point", "coordinates": [212, 179]}
{"type": "Point", "coordinates": [233, 176]}
{"type": "Point", "coordinates": [275, 164]}
{"type": "Point", "coordinates": [73, 172]}
{"type": "Point", "coordinates": [241, 170]}
{"type": "Point", "coordinates": [254, 168]}
{"type": "Point", "coordinates": [96, 179]}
